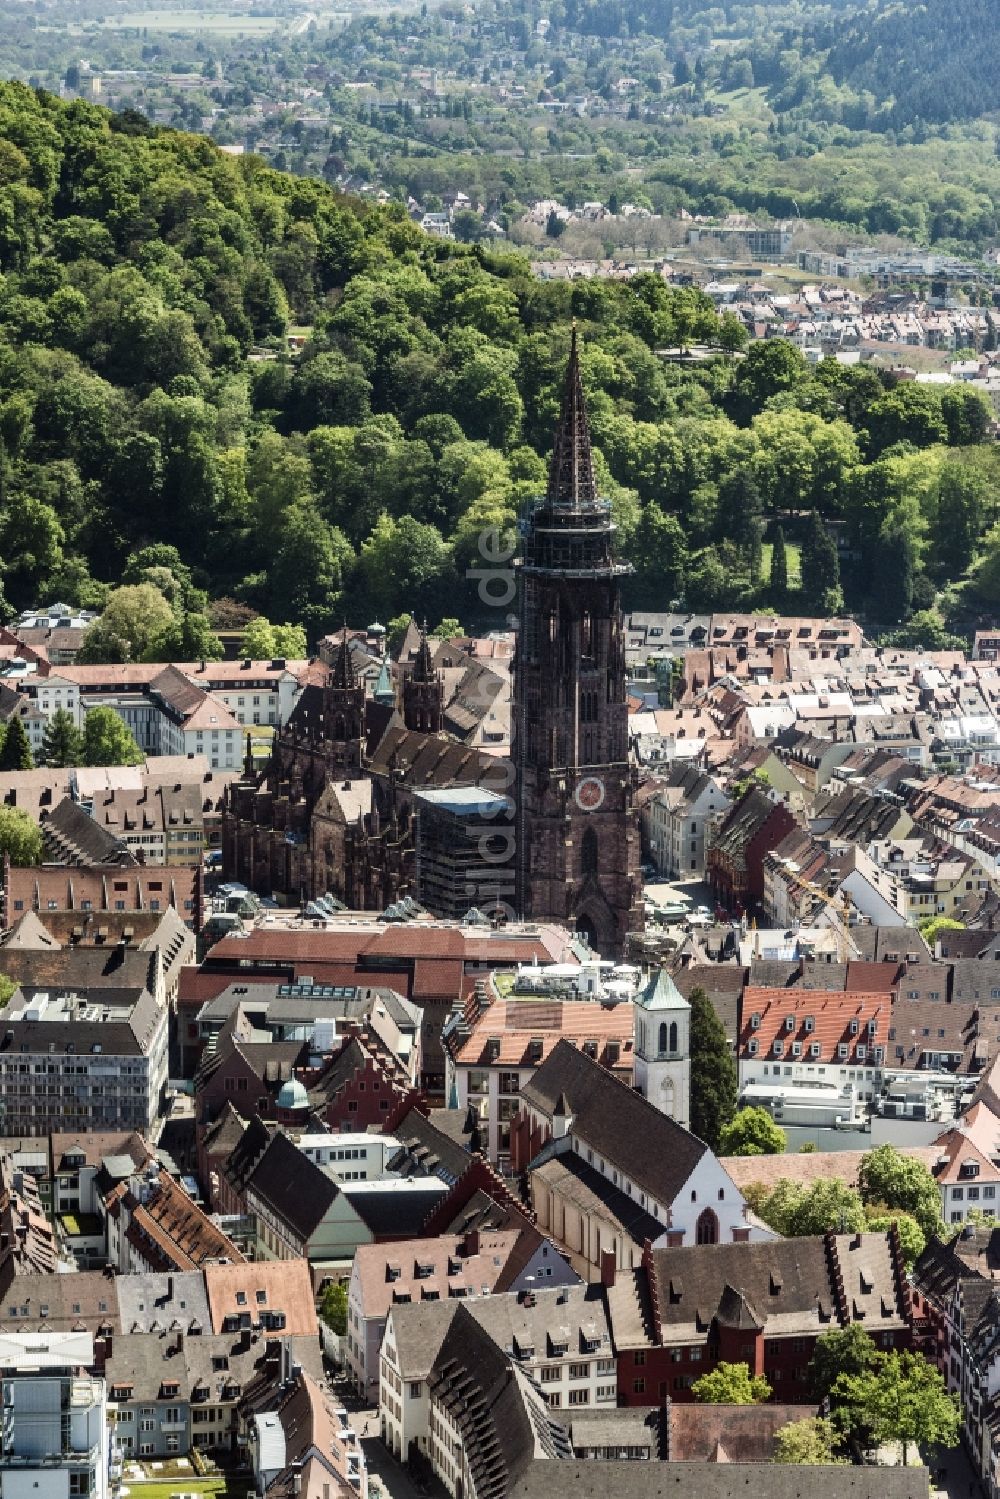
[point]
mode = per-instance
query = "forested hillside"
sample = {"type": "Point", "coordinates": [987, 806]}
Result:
{"type": "Point", "coordinates": [155, 427]}
{"type": "Point", "coordinates": [932, 62]}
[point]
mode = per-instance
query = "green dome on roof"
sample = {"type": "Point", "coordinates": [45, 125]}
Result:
{"type": "Point", "coordinates": [293, 1095]}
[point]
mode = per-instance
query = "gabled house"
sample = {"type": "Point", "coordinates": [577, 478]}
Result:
{"type": "Point", "coordinates": [608, 1171]}
{"type": "Point", "coordinates": [682, 1311]}
{"type": "Point", "coordinates": [305, 1446]}
{"type": "Point", "coordinates": [675, 818]}
{"type": "Point", "coordinates": [302, 1211]}
{"type": "Point", "coordinates": [734, 864]}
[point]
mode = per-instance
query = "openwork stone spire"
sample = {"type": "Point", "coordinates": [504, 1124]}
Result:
{"type": "Point", "coordinates": [423, 665]}
{"type": "Point", "coordinates": [571, 475]}
{"type": "Point", "coordinates": [343, 668]}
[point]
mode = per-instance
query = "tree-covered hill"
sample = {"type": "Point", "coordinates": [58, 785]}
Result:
{"type": "Point", "coordinates": [156, 429]}
{"type": "Point", "coordinates": [931, 62]}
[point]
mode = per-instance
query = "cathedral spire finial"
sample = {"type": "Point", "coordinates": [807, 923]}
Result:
{"type": "Point", "coordinates": [343, 670]}
{"type": "Point", "coordinates": [423, 665]}
{"type": "Point", "coordinates": [571, 474]}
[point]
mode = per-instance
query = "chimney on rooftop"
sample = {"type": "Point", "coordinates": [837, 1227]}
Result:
{"type": "Point", "coordinates": [609, 1268]}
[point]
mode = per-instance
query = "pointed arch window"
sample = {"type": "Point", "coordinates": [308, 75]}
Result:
{"type": "Point", "coordinates": [673, 1036]}
{"type": "Point", "coordinates": [662, 1046]}
{"type": "Point", "coordinates": [588, 852]}
{"type": "Point", "coordinates": [707, 1228]}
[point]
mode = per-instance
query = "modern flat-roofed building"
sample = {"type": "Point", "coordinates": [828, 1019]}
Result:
{"type": "Point", "coordinates": [55, 1427]}
{"type": "Point", "coordinates": [90, 1059]}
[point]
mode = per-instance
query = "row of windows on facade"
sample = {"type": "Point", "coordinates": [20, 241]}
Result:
{"type": "Point", "coordinates": [118, 905]}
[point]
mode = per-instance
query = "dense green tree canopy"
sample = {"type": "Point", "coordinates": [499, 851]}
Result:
{"type": "Point", "coordinates": [107, 740]}
{"type": "Point", "coordinates": [157, 433]}
{"type": "Point", "coordinates": [20, 839]}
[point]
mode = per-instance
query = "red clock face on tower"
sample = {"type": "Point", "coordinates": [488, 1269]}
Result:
{"type": "Point", "coordinates": [590, 793]}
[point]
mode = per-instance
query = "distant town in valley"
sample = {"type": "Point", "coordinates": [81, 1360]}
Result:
{"type": "Point", "coordinates": [499, 750]}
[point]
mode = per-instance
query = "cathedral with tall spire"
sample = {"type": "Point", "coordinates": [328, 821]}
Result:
{"type": "Point", "coordinates": [577, 829]}
{"type": "Point", "coordinates": [333, 809]}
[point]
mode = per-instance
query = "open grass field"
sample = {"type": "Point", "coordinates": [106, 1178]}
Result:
{"type": "Point", "coordinates": [217, 22]}
{"type": "Point", "coordinates": [794, 567]}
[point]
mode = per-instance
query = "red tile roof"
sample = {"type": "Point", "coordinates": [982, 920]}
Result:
{"type": "Point", "coordinates": [871, 978]}
{"type": "Point", "coordinates": [808, 1018]}
{"type": "Point", "coordinates": [503, 1035]}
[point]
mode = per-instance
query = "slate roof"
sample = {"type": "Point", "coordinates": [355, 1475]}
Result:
{"type": "Point", "coordinates": [574, 1181]}
{"type": "Point", "coordinates": [292, 1186]}
{"type": "Point", "coordinates": [584, 1479]}
{"type": "Point", "coordinates": [154, 1301]}
{"type": "Point", "coordinates": [610, 1117]}
{"type": "Point", "coordinates": [502, 1415]}
{"type": "Point", "coordinates": [431, 1149]}
{"type": "Point", "coordinates": [72, 836]}
{"type": "Point", "coordinates": [786, 1286]}
{"type": "Point", "coordinates": [394, 1212]}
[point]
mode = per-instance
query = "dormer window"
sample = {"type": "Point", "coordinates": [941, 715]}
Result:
{"type": "Point", "coordinates": [789, 1023]}
{"type": "Point", "coordinates": [810, 1023]}
{"type": "Point", "coordinates": [778, 1047]}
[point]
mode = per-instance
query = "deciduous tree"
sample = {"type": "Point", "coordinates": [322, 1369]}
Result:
{"type": "Point", "coordinates": [20, 839]}
{"type": "Point", "coordinates": [752, 1132]}
{"type": "Point", "coordinates": [902, 1398]}
{"type": "Point", "coordinates": [107, 740]}
{"type": "Point", "coordinates": [811, 1441]}
{"type": "Point", "coordinates": [731, 1384]}
{"type": "Point", "coordinates": [888, 1178]}
{"type": "Point", "coordinates": [131, 618]}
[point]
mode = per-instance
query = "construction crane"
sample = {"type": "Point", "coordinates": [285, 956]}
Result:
{"type": "Point", "coordinates": [846, 947]}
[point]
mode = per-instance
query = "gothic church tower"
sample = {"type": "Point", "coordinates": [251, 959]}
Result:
{"type": "Point", "coordinates": [577, 833]}
{"type": "Point", "coordinates": [423, 692]}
